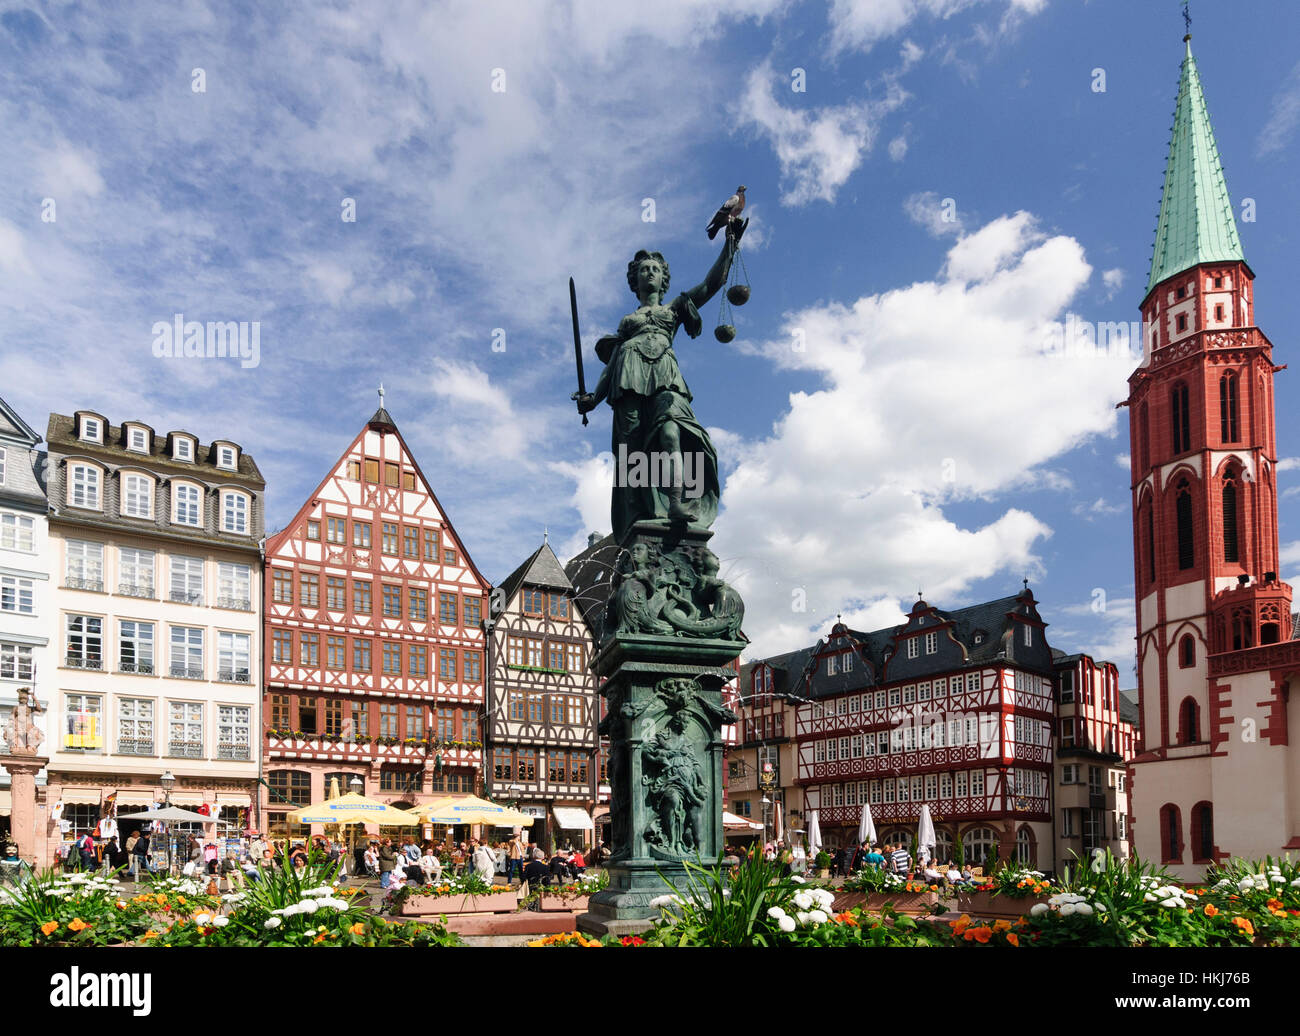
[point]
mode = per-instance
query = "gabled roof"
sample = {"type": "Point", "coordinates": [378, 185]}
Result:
{"type": "Point", "coordinates": [541, 568]}
{"type": "Point", "coordinates": [1128, 707]}
{"type": "Point", "coordinates": [14, 427]}
{"type": "Point", "coordinates": [1196, 223]}
{"type": "Point", "coordinates": [62, 438]}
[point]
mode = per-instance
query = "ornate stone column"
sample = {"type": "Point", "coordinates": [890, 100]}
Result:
{"type": "Point", "coordinates": [22, 772]}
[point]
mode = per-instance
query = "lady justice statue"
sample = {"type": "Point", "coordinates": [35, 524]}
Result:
{"type": "Point", "coordinates": [655, 432]}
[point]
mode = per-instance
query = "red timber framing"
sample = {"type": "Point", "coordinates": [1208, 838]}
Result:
{"type": "Point", "coordinates": [374, 653]}
{"type": "Point", "coordinates": [977, 746]}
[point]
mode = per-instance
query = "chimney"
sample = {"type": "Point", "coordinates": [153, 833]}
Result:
{"type": "Point", "coordinates": [593, 538]}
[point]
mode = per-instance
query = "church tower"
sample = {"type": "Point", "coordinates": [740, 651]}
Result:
{"type": "Point", "coordinates": [1215, 775]}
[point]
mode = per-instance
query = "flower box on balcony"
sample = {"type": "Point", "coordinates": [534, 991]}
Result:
{"type": "Point", "coordinates": [493, 903]}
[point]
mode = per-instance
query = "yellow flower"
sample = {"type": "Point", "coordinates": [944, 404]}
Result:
{"type": "Point", "coordinates": [1001, 926]}
{"type": "Point", "coordinates": [49, 928]}
{"type": "Point", "coordinates": [358, 929]}
{"type": "Point", "coordinates": [151, 934]}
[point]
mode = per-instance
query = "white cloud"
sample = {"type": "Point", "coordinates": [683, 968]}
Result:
{"type": "Point", "coordinates": [1112, 280]}
{"type": "Point", "coordinates": [818, 148]}
{"type": "Point", "coordinates": [860, 24]}
{"type": "Point", "coordinates": [13, 251]}
{"type": "Point", "coordinates": [1124, 460]}
{"type": "Point", "coordinates": [847, 498]}
{"type": "Point", "coordinates": [898, 148]}
{"type": "Point", "coordinates": [1289, 554]}
{"type": "Point", "coordinates": [1283, 116]}
{"type": "Point", "coordinates": [1107, 633]}
{"type": "Point", "coordinates": [927, 210]}
{"type": "Point", "coordinates": [1288, 464]}
{"type": "Point", "coordinates": [1098, 508]}
{"type": "Point", "coordinates": [66, 170]}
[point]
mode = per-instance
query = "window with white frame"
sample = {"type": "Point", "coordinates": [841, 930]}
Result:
{"type": "Point", "coordinates": [234, 739]}
{"type": "Point", "coordinates": [972, 682]}
{"type": "Point", "coordinates": [234, 512]}
{"type": "Point", "coordinates": [82, 723]}
{"type": "Point", "coordinates": [832, 750]}
{"type": "Point", "coordinates": [92, 429]}
{"type": "Point", "coordinates": [182, 448]}
{"type": "Point", "coordinates": [960, 784]}
{"type": "Point", "coordinates": [889, 789]}
{"type": "Point", "coordinates": [842, 706]}
{"type": "Point", "coordinates": [851, 793]}
{"type": "Point", "coordinates": [854, 702]}
{"type": "Point", "coordinates": [185, 729]}
{"type": "Point", "coordinates": [855, 746]}
{"type": "Point", "coordinates": [913, 647]}
{"type": "Point", "coordinates": [844, 748]}
{"type": "Point", "coordinates": [186, 579]}
{"type": "Point", "coordinates": [137, 440]}
{"type": "Point", "coordinates": [17, 531]}
{"type": "Point", "coordinates": [15, 661]}
{"type": "Point", "coordinates": [135, 647]}
{"type": "Point", "coordinates": [901, 789]}
{"type": "Point", "coordinates": [894, 693]}
{"type": "Point", "coordinates": [234, 585]}
{"type": "Point", "coordinates": [882, 743]}
{"type": "Point", "coordinates": [875, 792]}
{"type": "Point", "coordinates": [918, 786]}
{"type": "Point", "coordinates": [187, 652]}
{"type": "Point", "coordinates": [226, 457]}
{"type": "Point", "coordinates": [931, 643]}
{"type": "Point", "coordinates": [909, 694]}
{"type": "Point", "coordinates": [17, 595]}
{"type": "Point", "coordinates": [977, 782]}
{"type": "Point", "coordinates": [819, 752]}
{"type": "Point", "coordinates": [909, 739]}
{"type": "Point", "coordinates": [832, 665]}
{"type": "Point", "coordinates": [923, 691]}
{"type": "Point", "coordinates": [85, 642]}
{"type": "Point", "coordinates": [945, 785]}
{"type": "Point", "coordinates": [3, 457]}
{"type": "Point", "coordinates": [1121, 825]}
{"type": "Point", "coordinates": [1069, 825]}
{"type": "Point", "coordinates": [1029, 635]}
{"type": "Point", "coordinates": [83, 486]}
{"type": "Point", "coordinates": [137, 496]}
{"type": "Point", "coordinates": [135, 726]}
{"type": "Point", "coordinates": [931, 786]}
{"type": "Point", "coordinates": [135, 572]}
{"type": "Point", "coordinates": [187, 504]}
{"type": "Point", "coordinates": [869, 744]}
{"type": "Point", "coordinates": [880, 699]}
{"type": "Point", "coordinates": [233, 657]}
{"type": "Point", "coordinates": [85, 565]}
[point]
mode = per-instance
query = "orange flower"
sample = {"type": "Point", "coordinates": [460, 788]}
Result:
{"type": "Point", "coordinates": [151, 934]}
{"type": "Point", "coordinates": [1002, 926]}
{"type": "Point", "coordinates": [181, 900]}
{"type": "Point", "coordinates": [980, 934]}
{"type": "Point", "coordinates": [847, 918]}
{"type": "Point", "coordinates": [1244, 924]}
{"type": "Point", "coordinates": [319, 939]}
{"type": "Point", "coordinates": [77, 925]}
{"type": "Point", "coordinates": [960, 923]}
{"type": "Point", "coordinates": [160, 899]}
{"type": "Point", "coordinates": [358, 929]}
{"type": "Point", "coordinates": [49, 928]}
{"type": "Point", "coordinates": [1013, 938]}
{"type": "Point", "coordinates": [1210, 910]}
{"type": "Point", "coordinates": [121, 905]}
{"type": "Point", "coordinates": [1275, 904]}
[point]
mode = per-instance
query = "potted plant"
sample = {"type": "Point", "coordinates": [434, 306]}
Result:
{"type": "Point", "coordinates": [823, 864]}
{"type": "Point", "coordinates": [958, 852]}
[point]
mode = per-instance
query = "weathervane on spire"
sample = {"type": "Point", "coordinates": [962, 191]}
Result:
{"type": "Point", "coordinates": [381, 393]}
{"type": "Point", "coordinates": [1187, 21]}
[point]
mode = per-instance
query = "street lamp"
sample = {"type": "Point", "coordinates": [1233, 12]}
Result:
{"type": "Point", "coordinates": [167, 780]}
{"type": "Point", "coordinates": [767, 782]}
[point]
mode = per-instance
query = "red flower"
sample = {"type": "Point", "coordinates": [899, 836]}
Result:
{"type": "Point", "coordinates": [632, 940]}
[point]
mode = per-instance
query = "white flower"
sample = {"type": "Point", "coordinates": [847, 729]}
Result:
{"type": "Point", "coordinates": [824, 896]}
{"type": "Point", "coordinates": [1171, 903]}
{"type": "Point", "coordinates": [272, 922]}
{"type": "Point", "coordinates": [801, 917]}
{"type": "Point", "coordinates": [1083, 908]}
{"type": "Point", "coordinates": [776, 913]}
{"type": "Point", "coordinates": [803, 900]}
{"type": "Point", "coordinates": [786, 924]}
{"type": "Point", "coordinates": [798, 880]}
{"type": "Point", "coordinates": [203, 918]}
{"type": "Point", "coordinates": [818, 916]}
{"type": "Point", "coordinates": [1038, 909]}
{"type": "Point", "coordinates": [221, 922]}
{"type": "Point", "coordinates": [1067, 909]}
{"type": "Point", "coordinates": [1149, 898]}
{"type": "Point", "coordinates": [290, 910]}
{"type": "Point", "coordinates": [308, 906]}
{"type": "Point", "coordinates": [310, 931]}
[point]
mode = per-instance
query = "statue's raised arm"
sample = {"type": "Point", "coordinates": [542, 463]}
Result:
{"type": "Point", "coordinates": [716, 278]}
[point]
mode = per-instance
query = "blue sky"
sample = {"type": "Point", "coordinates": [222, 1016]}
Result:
{"type": "Point", "coordinates": [920, 438]}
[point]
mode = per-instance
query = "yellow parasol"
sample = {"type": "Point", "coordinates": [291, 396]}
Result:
{"type": "Point", "coordinates": [352, 809]}
{"type": "Point", "coordinates": [470, 809]}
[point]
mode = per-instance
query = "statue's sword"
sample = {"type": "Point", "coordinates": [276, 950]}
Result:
{"type": "Point", "coordinates": [577, 342]}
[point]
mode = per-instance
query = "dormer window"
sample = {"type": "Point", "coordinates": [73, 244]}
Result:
{"type": "Point", "coordinates": [187, 505]}
{"type": "Point", "coordinates": [83, 486]}
{"type": "Point", "coordinates": [234, 512]}
{"type": "Point", "coordinates": [92, 429]}
{"type": "Point", "coordinates": [1029, 636]}
{"type": "Point", "coordinates": [913, 647]}
{"type": "Point", "coordinates": [137, 440]}
{"type": "Point", "coordinates": [182, 449]}
{"type": "Point", "coordinates": [226, 457]}
{"type": "Point", "coordinates": [979, 638]}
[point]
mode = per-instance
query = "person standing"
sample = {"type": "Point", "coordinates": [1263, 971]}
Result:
{"type": "Point", "coordinates": [515, 864]}
{"type": "Point", "coordinates": [485, 862]}
{"type": "Point", "coordinates": [799, 859]}
{"type": "Point", "coordinates": [86, 850]}
{"type": "Point", "coordinates": [131, 840]}
{"type": "Point", "coordinates": [902, 861]}
{"type": "Point", "coordinates": [387, 863]}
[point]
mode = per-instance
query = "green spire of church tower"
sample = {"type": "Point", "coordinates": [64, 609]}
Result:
{"type": "Point", "coordinates": [1196, 222]}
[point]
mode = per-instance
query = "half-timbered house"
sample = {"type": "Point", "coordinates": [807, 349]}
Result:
{"type": "Point", "coordinates": [954, 709]}
{"type": "Point", "coordinates": [542, 702]}
{"type": "Point", "coordinates": [374, 638]}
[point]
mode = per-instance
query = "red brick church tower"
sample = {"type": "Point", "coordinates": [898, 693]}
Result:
{"type": "Point", "coordinates": [1215, 775]}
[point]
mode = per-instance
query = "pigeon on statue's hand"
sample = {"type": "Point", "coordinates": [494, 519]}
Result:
{"type": "Point", "coordinates": [731, 208]}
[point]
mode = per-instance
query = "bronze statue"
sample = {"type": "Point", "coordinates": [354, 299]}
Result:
{"type": "Point", "coordinates": [653, 423]}
{"type": "Point", "coordinates": [677, 593]}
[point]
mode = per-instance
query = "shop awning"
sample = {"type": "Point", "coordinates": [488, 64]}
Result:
{"type": "Point", "coordinates": [136, 798]}
{"type": "Point", "coordinates": [186, 798]}
{"type": "Point", "coordinates": [80, 797]}
{"type": "Point", "coordinates": [234, 798]}
{"type": "Point", "coordinates": [571, 818]}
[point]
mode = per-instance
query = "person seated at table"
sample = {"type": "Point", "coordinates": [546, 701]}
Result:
{"type": "Point", "coordinates": [370, 858]}
{"type": "Point", "coordinates": [952, 874]}
{"type": "Point", "coordinates": [577, 863]}
{"type": "Point", "coordinates": [932, 873]}
{"type": "Point", "coordinates": [560, 869]}
{"type": "Point", "coordinates": [967, 874]}
{"type": "Point", "coordinates": [298, 856]}
{"type": "Point", "coordinates": [430, 865]}
{"type": "Point", "coordinates": [537, 874]}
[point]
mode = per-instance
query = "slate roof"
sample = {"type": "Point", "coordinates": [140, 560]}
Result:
{"type": "Point", "coordinates": [61, 437]}
{"type": "Point", "coordinates": [541, 568]}
{"type": "Point", "coordinates": [1128, 707]}
{"type": "Point", "coordinates": [1196, 223]}
{"type": "Point", "coordinates": [589, 574]}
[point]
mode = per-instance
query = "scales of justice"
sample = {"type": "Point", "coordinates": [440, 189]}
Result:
{"type": "Point", "coordinates": [672, 626]}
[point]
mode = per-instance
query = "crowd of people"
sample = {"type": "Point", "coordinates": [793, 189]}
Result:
{"type": "Point", "coordinates": [895, 859]}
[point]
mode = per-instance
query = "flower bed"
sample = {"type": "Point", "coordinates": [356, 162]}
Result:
{"type": "Point", "coordinates": [493, 902]}
{"type": "Point", "coordinates": [986, 904]}
{"type": "Point", "coordinates": [553, 902]}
